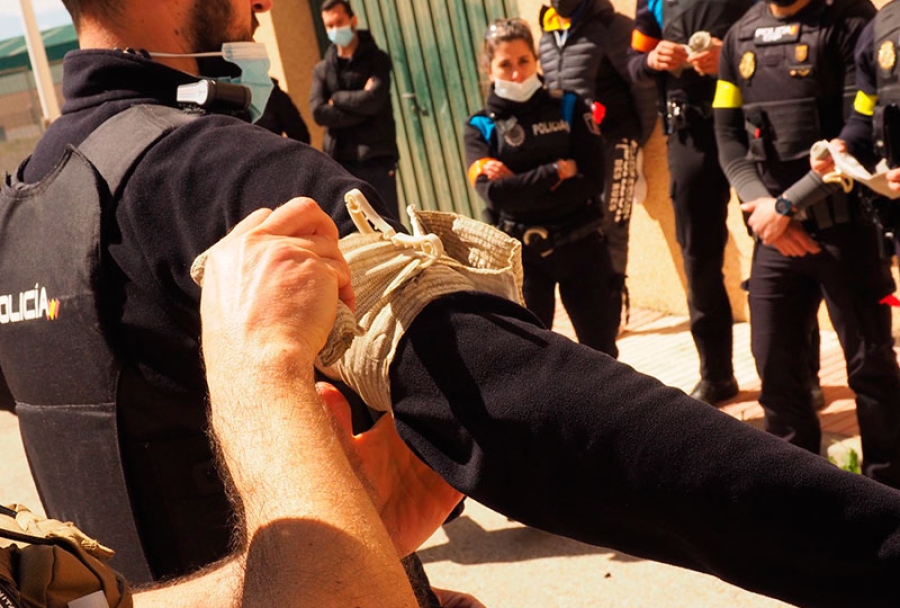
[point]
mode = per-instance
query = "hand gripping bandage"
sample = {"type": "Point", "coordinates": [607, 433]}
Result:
{"type": "Point", "coordinates": [396, 275]}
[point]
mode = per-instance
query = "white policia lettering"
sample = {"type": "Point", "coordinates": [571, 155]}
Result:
{"type": "Point", "coordinates": [32, 304]}
{"type": "Point", "coordinates": [774, 34]}
{"type": "Point", "coordinates": [545, 128]}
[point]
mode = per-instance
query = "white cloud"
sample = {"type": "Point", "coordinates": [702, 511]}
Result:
{"type": "Point", "coordinates": [49, 13]}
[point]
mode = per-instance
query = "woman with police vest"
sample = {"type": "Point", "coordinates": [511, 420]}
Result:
{"type": "Point", "coordinates": [536, 157]}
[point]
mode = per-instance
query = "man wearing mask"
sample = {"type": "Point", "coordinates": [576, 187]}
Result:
{"type": "Point", "coordinates": [584, 48]}
{"type": "Point", "coordinates": [351, 97]}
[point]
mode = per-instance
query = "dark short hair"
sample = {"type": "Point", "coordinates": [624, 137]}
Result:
{"type": "Point", "coordinates": [328, 5]}
{"type": "Point", "coordinates": [104, 9]}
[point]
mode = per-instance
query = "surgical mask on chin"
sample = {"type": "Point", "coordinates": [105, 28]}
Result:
{"type": "Point", "coordinates": [253, 60]}
{"type": "Point", "coordinates": [518, 92]}
{"type": "Point", "coordinates": [341, 36]}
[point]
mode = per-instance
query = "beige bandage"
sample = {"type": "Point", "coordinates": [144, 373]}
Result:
{"type": "Point", "coordinates": [396, 275]}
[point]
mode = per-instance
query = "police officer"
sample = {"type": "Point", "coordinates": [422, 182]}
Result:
{"type": "Point", "coordinates": [698, 187]}
{"type": "Point", "coordinates": [536, 157]}
{"type": "Point", "coordinates": [872, 132]}
{"type": "Point", "coordinates": [785, 70]}
{"type": "Point", "coordinates": [584, 48]}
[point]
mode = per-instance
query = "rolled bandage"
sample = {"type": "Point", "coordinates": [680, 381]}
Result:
{"type": "Point", "coordinates": [396, 275]}
{"type": "Point", "coordinates": [699, 42]}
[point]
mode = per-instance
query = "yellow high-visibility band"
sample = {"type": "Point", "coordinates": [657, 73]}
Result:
{"type": "Point", "coordinates": [865, 104]}
{"type": "Point", "coordinates": [728, 95]}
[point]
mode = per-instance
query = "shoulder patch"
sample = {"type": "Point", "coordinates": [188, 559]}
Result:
{"type": "Point", "coordinates": [485, 125]}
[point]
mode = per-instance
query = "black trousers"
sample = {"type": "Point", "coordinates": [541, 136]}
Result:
{"type": "Point", "coordinates": [784, 299]}
{"type": "Point", "coordinates": [584, 274]}
{"type": "Point", "coordinates": [381, 173]}
{"type": "Point", "coordinates": [700, 195]}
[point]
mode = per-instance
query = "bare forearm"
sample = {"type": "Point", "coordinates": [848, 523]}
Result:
{"type": "Point", "coordinates": [310, 524]}
{"type": "Point", "coordinates": [218, 585]}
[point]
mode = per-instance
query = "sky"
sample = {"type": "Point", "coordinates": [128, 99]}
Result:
{"type": "Point", "coordinates": [49, 13]}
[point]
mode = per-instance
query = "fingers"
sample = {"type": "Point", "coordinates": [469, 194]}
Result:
{"type": "Point", "coordinates": [299, 217]}
{"type": "Point", "coordinates": [796, 242]}
{"type": "Point", "coordinates": [893, 179]}
{"type": "Point", "coordinates": [247, 224]}
{"type": "Point", "coordinates": [337, 405]}
{"type": "Point", "coordinates": [749, 206]}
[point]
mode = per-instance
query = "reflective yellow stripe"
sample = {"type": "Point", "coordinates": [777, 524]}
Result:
{"type": "Point", "coordinates": [865, 104]}
{"type": "Point", "coordinates": [728, 95]}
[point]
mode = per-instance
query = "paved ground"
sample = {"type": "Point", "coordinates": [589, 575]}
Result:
{"type": "Point", "coordinates": [508, 565]}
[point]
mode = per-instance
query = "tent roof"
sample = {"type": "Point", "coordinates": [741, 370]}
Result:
{"type": "Point", "coordinates": [58, 41]}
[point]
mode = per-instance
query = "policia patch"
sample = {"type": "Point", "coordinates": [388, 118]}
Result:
{"type": "Point", "coordinates": [747, 66]}
{"type": "Point", "coordinates": [887, 56]}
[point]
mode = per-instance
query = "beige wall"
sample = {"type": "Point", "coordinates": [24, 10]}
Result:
{"type": "Point", "coordinates": [288, 33]}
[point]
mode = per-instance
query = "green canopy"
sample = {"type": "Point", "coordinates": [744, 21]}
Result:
{"type": "Point", "coordinates": [58, 41]}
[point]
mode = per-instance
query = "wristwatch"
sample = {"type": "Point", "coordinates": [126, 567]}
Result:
{"type": "Point", "coordinates": [784, 206]}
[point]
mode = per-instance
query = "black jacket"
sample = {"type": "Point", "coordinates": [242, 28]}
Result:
{"type": "Point", "coordinates": [360, 122]}
{"type": "Point", "coordinates": [591, 58]}
{"type": "Point", "coordinates": [534, 195]}
{"type": "Point", "coordinates": [282, 116]}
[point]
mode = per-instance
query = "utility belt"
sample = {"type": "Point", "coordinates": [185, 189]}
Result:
{"type": "Point", "coordinates": [682, 114]}
{"type": "Point", "coordinates": [545, 239]}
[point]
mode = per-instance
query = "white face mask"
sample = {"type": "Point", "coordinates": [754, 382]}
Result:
{"type": "Point", "coordinates": [253, 59]}
{"type": "Point", "coordinates": [518, 92]}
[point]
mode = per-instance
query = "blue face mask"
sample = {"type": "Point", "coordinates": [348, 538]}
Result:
{"type": "Point", "coordinates": [341, 36]}
{"type": "Point", "coordinates": [253, 59]}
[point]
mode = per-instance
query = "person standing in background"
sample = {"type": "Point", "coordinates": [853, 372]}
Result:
{"type": "Point", "coordinates": [536, 157]}
{"type": "Point", "coordinates": [351, 98]}
{"type": "Point", "coordinates": [699, 190]}
{"type": "Point", "coordinates": [584, 48]}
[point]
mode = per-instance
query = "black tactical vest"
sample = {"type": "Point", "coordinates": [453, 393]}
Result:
{"type": "Point", "coordinates": [54, 350]}
{"type": "Point", "coordinates": [886, 118]}
{"type": "Point", "coordinates": [791, 98]}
